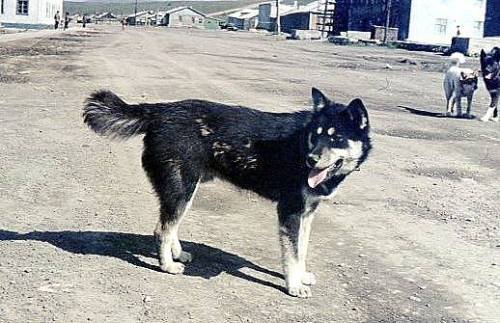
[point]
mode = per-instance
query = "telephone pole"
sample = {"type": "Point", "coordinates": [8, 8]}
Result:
{"type": "Point", "coordinates": [387, 19]}
{"type": "Point", "coordinates": [278, 22]}
{"type": "Point", "coordinates": [135, 13]}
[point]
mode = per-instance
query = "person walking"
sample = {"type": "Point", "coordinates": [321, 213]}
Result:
{"type": "Point", "coordinates": [84, 20]}
{"type": "Point", "coordinates": [57, 19]}
{"type": "Point", "coordinates": [66, 20]}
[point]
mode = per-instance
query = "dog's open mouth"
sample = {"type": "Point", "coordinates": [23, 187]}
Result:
{"type": "Point", "coordinates": [319, 175]}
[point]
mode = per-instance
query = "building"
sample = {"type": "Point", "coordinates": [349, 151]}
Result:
{"type": "Point", "coordinates": [105, 17]}
{"type": "Point", "coordinates": [492, 21]}
{"type": "Point", "coordinates": [244, 19]}
{"type": "Point", "coordinates": [188, 17]}
{"type": "Point", "coordinates": [316, 15]}
{"type": "Point", "coordinates": [267, 14]}
{"type": "Point", "coordinates": [294, 17]}
{"type": "Point", "coordinates": [358, 15]}
{"type": "Point", "coordinates": [176, 17]}
{"type": "Point", "coordinates": [139, 18]}
{"type": "Point", "coordinates": [426, 21]}
{"type": "Point", "coordinates": [31, 14]}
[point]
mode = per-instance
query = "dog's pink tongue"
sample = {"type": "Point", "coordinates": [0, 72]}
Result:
{"type": "Point", "coordinates": [316, 177]}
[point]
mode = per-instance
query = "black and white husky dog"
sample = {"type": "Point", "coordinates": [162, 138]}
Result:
{"type": "Point", "coordinates": [490, 67]}
{"type": "Point", "coordinates": [294, 159]}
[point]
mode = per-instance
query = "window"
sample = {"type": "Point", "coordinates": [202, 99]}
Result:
{"type": "Point", "coordinates": [180, 18]}
{"type": "Point", "coordinates": [192, 20]}
{"type": "Point", "coordinates": [22, 7]}
{"type": "Point", "coordinates": [441, 26]}
{"type": "Point", "coordinates": [200, 20]}
{"type": "Point", "coordinates": [478, 25]}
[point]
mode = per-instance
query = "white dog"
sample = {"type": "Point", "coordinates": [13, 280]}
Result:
{"type": "Point", "coordinates": [459, 82]}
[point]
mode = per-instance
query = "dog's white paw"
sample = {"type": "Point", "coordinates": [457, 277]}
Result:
{"type": "Point", "coordinates": [496, 119]}
{"type": "Point", "coordinates": [173, 268]}
{"type": "Point", "coordinates": [301, 291]}
{"type": "Point", "coordinates": [184, 257]}
{"type": "Point", "coordinates": [308, 278]}
{"type": "Point", "coordinates": [485, 119]}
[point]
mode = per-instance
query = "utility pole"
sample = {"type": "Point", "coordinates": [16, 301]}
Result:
{"type": "Point", "coordinates": [388, 9]}
{"type": "Point", "coordinates": [135, 13]}
{"type": "Point", "coordinates": [278, 22]}
{"type": "Point", "coordinates": [324, 19]}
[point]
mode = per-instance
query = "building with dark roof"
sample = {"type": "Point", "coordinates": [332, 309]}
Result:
{"type": "Point", "coordinates": [492, 21]}
{"type": "Point", "coordinates": [426, 21]}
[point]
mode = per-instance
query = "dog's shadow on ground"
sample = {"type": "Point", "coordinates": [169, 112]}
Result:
{"type": "Point", "coordinates": [425, 113]}
{"type": "Point", "coordinates": [208, 261]}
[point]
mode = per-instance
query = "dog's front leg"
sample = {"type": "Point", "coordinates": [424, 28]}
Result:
{"type": "Point", "coordinates": [492, 109]}
{"type": "Point", "coordinates": [494, 101]}
{"type": "Point", "coordinates": [294, 230]}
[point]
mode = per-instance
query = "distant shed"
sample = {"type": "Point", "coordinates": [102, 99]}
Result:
{"type": "Point", "coordinates": [291, 17]}
{"type": "Point", "coordinates": [244, 19]}
{"type": "Point", "coordinates": [305, 20]}
{"type": "Point", "coordinates": [133, 18]}
{"type": "Point", "coordinates": [106, 17]}
{"type": "Point", "coordinates": [183, 17]}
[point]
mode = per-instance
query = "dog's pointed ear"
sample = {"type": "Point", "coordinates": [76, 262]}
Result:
{"type": "Point", "coordinates": [463, 76]}
{"type": "Point", "coordinates": [483, 53]}
{"type": "Point", "coordinates": [358, 116]}
{"type": "Point", "coordinates": [496, 53]}
{"type": "Point", "coordinates": [319, 100]}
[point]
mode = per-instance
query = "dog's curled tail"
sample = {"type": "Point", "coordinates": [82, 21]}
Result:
{"type": "Point", "coordinates": [457, 58]}
{"type": "Point", "coordinates": [108, 115]}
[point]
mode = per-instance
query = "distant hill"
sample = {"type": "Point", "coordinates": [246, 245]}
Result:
{"type": "Point", "coordinates": [126, 7]}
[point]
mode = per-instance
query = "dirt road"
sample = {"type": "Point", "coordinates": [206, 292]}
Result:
{"type": "Point", "coordinates": [413, 237]}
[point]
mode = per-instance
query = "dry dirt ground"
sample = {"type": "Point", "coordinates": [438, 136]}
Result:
{"type": "Point", "coordinates": [412, 237]}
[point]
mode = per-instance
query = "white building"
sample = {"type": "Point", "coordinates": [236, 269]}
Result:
{"type": "Point", "coordinates": [29, 13]}
{"type": "Point", "coordinates": [436, 21]}
{"type": "Point", "coordinates": [426, 21]}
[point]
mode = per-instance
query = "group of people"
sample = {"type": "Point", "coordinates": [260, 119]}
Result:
{"type": "Point", "coordinates": [58, 22]}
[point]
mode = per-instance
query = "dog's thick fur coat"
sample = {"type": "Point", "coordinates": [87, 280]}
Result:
{"type": "Point", "coordinates": [294, 159]}
{"type": "Point", "coordinates": [490, 68]}
{"type": "Point", "coordinates": [459, 82]}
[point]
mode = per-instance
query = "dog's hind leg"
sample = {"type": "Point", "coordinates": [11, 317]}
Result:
{"type": "Point", "coordinates": [458, 105]}
{"type": "Point", "coordinates": [450, 105]}
{"type": "Point", "coordinates": [469, 105]}
{"type": "Point", "coordinates": [295, 219]}
{"type": "Point", "coordinates": [175, 191]}
{"type": "Point", "coordinates": [177, 252]}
